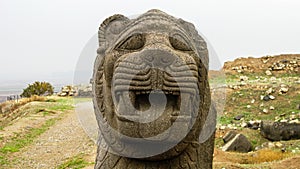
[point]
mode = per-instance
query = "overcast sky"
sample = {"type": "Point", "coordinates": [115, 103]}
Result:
{"type": "Point", "coordinates": [43, 39]}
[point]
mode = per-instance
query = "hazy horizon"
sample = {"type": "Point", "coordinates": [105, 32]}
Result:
{"type": "Point", "coordinates": [48, 40]}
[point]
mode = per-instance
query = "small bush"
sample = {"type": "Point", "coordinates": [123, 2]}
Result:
{"type": "Point", "coordinates": [39, 89]}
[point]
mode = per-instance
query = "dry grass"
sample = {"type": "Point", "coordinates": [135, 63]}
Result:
{"type": "Point", "coordinates": [257, 157]}
{"type": "Point", "coordinates": [9, 109]}
{"type": "Point", "coordinates": [10, 106]}
{"type": "Point", "coordinates": [265, 155]}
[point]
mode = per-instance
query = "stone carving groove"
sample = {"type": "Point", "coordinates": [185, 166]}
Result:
{"type": "Point", "coordinates": [151, 94]}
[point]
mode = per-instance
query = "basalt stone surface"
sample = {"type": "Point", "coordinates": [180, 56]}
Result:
{"type": "Point", "coordinates": [236, 142]}
{"type": "Point", "coordinates": [151, 94]}
{"type": "Point", "coordinates": [276, 131]}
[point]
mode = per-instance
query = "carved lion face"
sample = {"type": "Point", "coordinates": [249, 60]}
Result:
{"type": "Point", "coordinates": [151, 92]}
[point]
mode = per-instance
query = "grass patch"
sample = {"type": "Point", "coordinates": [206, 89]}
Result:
{"type": "Point", "coordinates": [76, 162]}
{"type": "Point", "coordinates": [237, 101]}
{"type": "Point", "coordinates": [224, 120]}
{"type": "Point", "coordinates": [62, 104]}
{"type": "Point", "coordinates": [19, 142]}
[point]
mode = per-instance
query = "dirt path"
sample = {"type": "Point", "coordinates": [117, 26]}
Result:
{"type": "Point", "coordinates": [62, 142]}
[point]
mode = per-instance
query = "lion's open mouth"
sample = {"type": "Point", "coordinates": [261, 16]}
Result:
{"type": "Point", "coordinates": [147, 106]}
{"type": "Point", "coordinates": [150, 100]}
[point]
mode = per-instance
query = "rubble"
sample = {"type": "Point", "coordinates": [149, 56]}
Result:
{"type": "Point", "coordinates": [236, 142]}
{"type": "Point", "coordinates": [68, 90]}
{"type": "Point", "coordinates": [268, 73]}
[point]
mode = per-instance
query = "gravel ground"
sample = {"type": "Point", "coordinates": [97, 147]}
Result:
{"type": "Point", "coordinates": [60, 143]}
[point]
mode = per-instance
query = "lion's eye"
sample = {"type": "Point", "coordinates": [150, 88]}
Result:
{"type": "Point", "coordinates": [179, 43]}
{"type": "Point", "coordinates": [134, 42]}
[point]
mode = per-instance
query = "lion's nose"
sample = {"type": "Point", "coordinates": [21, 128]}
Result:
{"type": "Point", "coordinates": [158, 58]}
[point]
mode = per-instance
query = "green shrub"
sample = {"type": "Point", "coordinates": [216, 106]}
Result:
{"type": "Point", "coordinates": [38, 88]}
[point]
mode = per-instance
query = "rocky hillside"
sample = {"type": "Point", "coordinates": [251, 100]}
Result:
{"type": "Point", "coordinates": [279, 64]}
{"type": "Point", "coordinates": [258, 91]}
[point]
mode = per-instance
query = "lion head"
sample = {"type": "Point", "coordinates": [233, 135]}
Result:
{"type": "Point", "coordinates": [151, 93]}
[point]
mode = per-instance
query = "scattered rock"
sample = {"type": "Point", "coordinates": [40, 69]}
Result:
{"type": "Point", "coordinates": [283, 90]}
{"type": "Point", "coordinates": [254, 124]}
{"type": "Point", "coordinates": [276, 131]}
{"type": "Point", "coordinates": [265, 111]}
{"type": "Point", "coordinates": [266, 98]}
{"type": "Point", "coordinates": [283, 120]}
{"type": "Point", "coordinates": [278, 145]}
{"type": "Point", "coordinates": [271, 97]}
{"type": "Point", "coordinates": [298, 106]}
{"type": "Point", "coordinates": [269, 91]}
{"type": "Point", "coordinates": [273, 80]}
{"type": "Point", "coordinates": [229, 135]}
{"type": "Point", "coordinates": [85, 90]}
{"type": "Point", "coordinates": [248, 106]}
{"type": "Point", "coordinates": [268, 73]}
{"type": "Point", "coordinates": [272, 108]}
{"type": "Point", "coordinates": [253, 101]}
{"type": "Point", "coordinates": [268, 145]}
{"type": "Point", "coordinates": [67, 91]}
{"type": "Point", "coordinates": [238, 117]}
{"type": "Point", "coordinates": [238, 143]}
{"type": "Point", "coordinates": [222, 128]}
{"type": "Point", "coordinates": [244, 78]}
{"type": "Point", "coordinates": [244, 124]}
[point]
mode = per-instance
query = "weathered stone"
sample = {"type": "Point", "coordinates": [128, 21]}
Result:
{"type": "Point", "coordinates": [84, 91]}
{"type": "Point", "coordinates": [271, 97]}
{"type": "Point", "coordinates": [266, 98]}
{"type": "Point", "coordinates": [147, 77]}
{"type": "Point", "coordinates": [239, 143]}
{"type": "Point", "coordinates": [273, 79]}
{"type": "Point", "coordinates": [284, 121]}
{"type": "Point", "coordinates": [283, 90]}
{"type": "Point", "coordinates": [229, 135]}
{"type": "Point", "coordinates": [278, 145]}
{"type": "Point", "coordinates": [268, 73]}
{"type": "Point", "coordinates": [244, 78]}
{"type": "Point", "coordinates": [276, 131]}
{"type": "Point", "coordinates": [296, 121]}
{"type": "Point", "coordinates": [244, 124]}
{"type": "Point", "coordinates": [67, 91]}
{"type": "Point", "coordinates": [254, 124]}
{"type": "Point", "coordinates": [269, 91]}
{"type": "Point", "coordinates": [222, 127]}
{"type": "Point", "coordinates": [238, 117]}
{"type": "Point", "coordinates": [265, 110]}
{"type": "Point", "coordinates": [298, 106]}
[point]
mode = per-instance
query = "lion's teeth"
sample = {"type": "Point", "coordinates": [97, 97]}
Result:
{"type": "Point", "coordinates": [132, 97]}
{"type": "Point", "coordinates": [124, 106]}
{"type": "Point", "coordinates": [185, 105]}
{"type": "Point", "coordinates": [137, 92]}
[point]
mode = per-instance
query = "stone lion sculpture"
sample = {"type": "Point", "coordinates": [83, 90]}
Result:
{"type": "Point", "coordinates": [151, 94]}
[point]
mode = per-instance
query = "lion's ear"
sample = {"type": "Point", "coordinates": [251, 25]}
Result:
{"type": "Point", "coordinates": [109, 30]}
